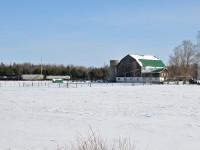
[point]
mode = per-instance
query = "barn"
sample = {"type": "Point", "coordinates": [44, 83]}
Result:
{"type": "Point", "coordinates": [138, 69]}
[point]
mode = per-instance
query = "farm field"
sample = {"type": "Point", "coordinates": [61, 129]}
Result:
{"type": "Point", "coordinates": [46, 116]}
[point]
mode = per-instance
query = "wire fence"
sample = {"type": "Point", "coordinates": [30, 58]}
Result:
{"type": "Point", "coordinates": [65, 84]}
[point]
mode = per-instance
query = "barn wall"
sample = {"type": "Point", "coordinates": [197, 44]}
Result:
{"type": "Point", "coordinates": [128, 67]}
{"type": "Point", "coordinates": [165, 74]}
{"type": "Point", "coordinates": [155, 75]}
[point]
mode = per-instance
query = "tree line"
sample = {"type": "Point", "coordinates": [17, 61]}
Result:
{"type": "Point", "coordinates": [75, 72]}
{"type": "Point", "coordinates": [184, 63]}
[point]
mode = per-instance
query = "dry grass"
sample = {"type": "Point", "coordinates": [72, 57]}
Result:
{"type": "Point", "coordinates": [94, 141]}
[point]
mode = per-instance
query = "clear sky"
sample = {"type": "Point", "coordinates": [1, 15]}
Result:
{"type": "Point", "coordinates": [91, 32]}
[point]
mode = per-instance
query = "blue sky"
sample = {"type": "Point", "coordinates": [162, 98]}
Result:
{"type": "Point", "coordinates": [91, 32]}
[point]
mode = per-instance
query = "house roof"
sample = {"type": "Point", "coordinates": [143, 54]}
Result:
{"type": "Point", "coordinates": [148, 61]}
{"type": "Point", "coordinates": [157, 70]}
{"type": "Point", "coordinates": [154, 71]}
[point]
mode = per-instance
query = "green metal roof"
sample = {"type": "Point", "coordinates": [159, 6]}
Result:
{"type": "Point", "coordinates": [152, 63]}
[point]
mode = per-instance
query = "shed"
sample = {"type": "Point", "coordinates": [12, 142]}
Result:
{"type": "Point", "coordinates": [57, 80]}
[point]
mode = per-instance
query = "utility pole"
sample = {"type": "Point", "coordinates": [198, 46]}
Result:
{"type": "Point", "coordinates": [198, 52]}
{"type": "Point", "coordinates": [41, 65]}
{"type": "Point", "coordinates": [198, 41]}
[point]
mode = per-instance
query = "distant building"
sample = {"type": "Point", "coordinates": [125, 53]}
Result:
{"type": "Point", "coordinates": [138, 69]}
{"type": "Point", "coordinates": [32, 77]}
{"type": "Point", "coordinates": [49, 77]}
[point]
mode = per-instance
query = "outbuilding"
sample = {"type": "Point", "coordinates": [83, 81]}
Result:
{"type": "Point", "coordinates": [57, 80]}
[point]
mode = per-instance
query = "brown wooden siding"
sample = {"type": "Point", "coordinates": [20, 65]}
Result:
{"type": "Point", "coordinates": [155, 75]}
{"type": "Point", "coordinates": [128, 67]}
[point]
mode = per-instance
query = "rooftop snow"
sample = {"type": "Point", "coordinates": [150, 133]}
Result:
{"type": "Point", "coordinates": [149, 57]}
{"type": "Point", "coordinates": [148, 61]}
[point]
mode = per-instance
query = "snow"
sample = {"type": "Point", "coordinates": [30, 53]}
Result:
{"type": "Point", "coordinates": [148, 57]}
{"type": "Point", "coordinates": [43, 115]}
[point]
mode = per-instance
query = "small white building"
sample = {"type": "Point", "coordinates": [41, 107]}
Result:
{"type": "Point", "coordinates": [57, 77]}
{"type": "Point", "coordinates": [32, 77]}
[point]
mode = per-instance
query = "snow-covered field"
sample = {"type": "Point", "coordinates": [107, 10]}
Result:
{"type": "Point", "coordinates": [46, 116]}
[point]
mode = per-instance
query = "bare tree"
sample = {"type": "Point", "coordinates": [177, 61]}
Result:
{"type": "Point", "coordinates": [198, 65]}
{"type": "Point", "coordinates": [183, 61]}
